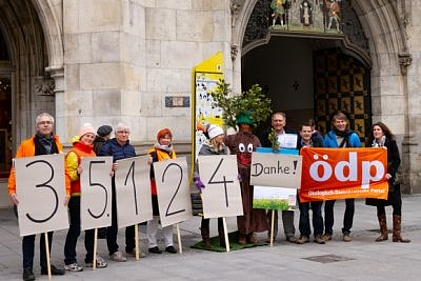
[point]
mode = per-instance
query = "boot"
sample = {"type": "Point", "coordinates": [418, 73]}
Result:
{"type": "Point", "coordinates": [397, 230]}
{"type": "Point", "coordinates": [205, 238]}
{"type": "Point", "coordinates": [242, 239]}
{"type": "Point", "coordinates": [251, 239]}
{"type": "Point", "coordinates": [383, 228]}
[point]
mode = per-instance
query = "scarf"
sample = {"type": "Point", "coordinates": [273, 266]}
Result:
{"type": "Point", "coordinates": [46, 142]}
{"type": "Point", "coordinates": [345, 135]}
{"type": "Point", "coordinates": [167, 148]}
{"type": "Point", "coordinates": [379, 143]}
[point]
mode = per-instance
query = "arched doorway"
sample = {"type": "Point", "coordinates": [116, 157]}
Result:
{"type": "Point", "coordinates": [309, 65]}
{"type": "Point", "coordinates": [5, 110]}
{"type": "Point", "coordinates": [29, 58]}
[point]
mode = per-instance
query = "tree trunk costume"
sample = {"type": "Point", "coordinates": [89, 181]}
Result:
{"type": "Point", "coordinates": [254, 220]}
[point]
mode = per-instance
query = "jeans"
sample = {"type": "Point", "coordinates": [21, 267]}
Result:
{"type": "Point", "coordinates": [348, 216]}
{"type": "Point", "coordinates": [73, 232]}
{"type": "Point", "coordinates": [28, 245]}
{"type": "Point", "coordinates": [112, 230]}
{"type": "Point", "coordinates": [287, 222]}
{"type": "Point", "coordinates": [304, 226]}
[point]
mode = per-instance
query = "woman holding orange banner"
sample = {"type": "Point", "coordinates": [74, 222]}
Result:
{"type": "Point", "coordinates": [381, 136]}
{"type": "Point", "coordinates": [340, 136]}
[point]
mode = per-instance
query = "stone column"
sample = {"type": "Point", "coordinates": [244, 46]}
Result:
{"type": "Point", "coordinates": [103, 65]}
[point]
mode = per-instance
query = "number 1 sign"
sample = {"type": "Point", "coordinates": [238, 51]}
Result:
{"type": "Point", "coordinates": [133, 191]}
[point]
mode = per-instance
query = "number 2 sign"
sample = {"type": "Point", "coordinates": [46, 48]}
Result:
{"type": "Point", "coordinates": [173, 191]}
{"type": "Point", "coordinates": [40, 187]}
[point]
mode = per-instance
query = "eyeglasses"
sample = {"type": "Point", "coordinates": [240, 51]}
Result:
{"type": "Point", "coordinates": [123, 132]}
{"type": "Point", "coordinates": [45, 123]}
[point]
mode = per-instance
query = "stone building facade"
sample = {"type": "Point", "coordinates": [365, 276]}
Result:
{"type": "Point", "coordinates": [110, 61]}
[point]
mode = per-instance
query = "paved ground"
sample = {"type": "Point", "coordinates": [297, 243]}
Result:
{"type": "Point", "coordinates": [361, 259]}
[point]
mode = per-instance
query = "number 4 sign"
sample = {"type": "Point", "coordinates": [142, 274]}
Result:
{"type": "Point", "coordinates": [221, 195]}
{"type": "Point", "coordinates": [173, 191]}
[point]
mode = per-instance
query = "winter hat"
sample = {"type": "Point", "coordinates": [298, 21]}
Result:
{"type": "Point", "coordinates": [214, 131]}
{"type": "Point", "coordinates": [104, 130]}
{"type": "Point", "coordinates": [87, 129]}
{"type": "Point", "coordinates": [163, 132]}
{"type": "Point", "coordinates": [245, 118]}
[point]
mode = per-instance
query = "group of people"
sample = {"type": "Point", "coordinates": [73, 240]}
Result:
{"type": "Point", "coordinates": [90, 142]}
{"type": "Point", "coordinates": [245, 142]}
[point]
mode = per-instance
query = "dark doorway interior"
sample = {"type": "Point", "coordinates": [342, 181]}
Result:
{"type": "Point", "coordinates": [289, 69]}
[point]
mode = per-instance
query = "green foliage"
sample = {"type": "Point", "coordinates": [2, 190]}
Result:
{"type": "Point", "coordinates": [271, 204]}
{"type": "Point", "coordinates": [252, 100]}
{"type": "Point", "coordinates": [273, 138]}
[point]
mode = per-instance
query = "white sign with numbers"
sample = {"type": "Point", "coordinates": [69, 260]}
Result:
{"type": "Point", "coordinates": [173, 191]}
{"type": "Point", "coordinates": [41, 191]}
{"type": "Point", "coordinates": [95, 201]}
{"type": "Point", "coordinates": [221, 195]}
{"type": "Point", "coordinates": [133, 191]}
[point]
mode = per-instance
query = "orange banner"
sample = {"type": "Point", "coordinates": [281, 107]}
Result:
{"type": "Point", "coordinates": [340, 173]}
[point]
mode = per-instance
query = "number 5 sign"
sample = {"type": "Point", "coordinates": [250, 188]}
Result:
{"type": "Point", "coordinates": [40, 186]}
{"type": "Point", "coordinates": [173, 191]}
{"type": "Point", "coordinates": [95, 205]}
{"type": "Point", "coordinates": [222, 194]}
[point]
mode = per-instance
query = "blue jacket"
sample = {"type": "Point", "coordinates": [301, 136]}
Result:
{"type": "Point", "coordinates": [118, 152]}
{"type": "Point", "coordinates": [330, 140]}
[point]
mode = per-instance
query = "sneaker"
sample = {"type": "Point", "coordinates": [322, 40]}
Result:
{"type": "Point", "coordinates": [28, 275]}
{"type": "Point", "coordinates": [100, 263]}
{"type": "Point", "coordinates": [319, 240]}
{"type": "Point", "coordinates": [171, 250]}
{"type": "Point", "coordinates": [292, 239]}
{"type": "Point", "coordinates": [155, 250]}
{"type": "Point", "coordinates": [73, 267]}
{"type": "Point", "coordinates": [118, 256]}
{"type": "Point", "coordinates": [327, 237]}
{"type": "Point", "coordinates": [303, 239]}
{"type": "Point", "coordinates": [346, 237]}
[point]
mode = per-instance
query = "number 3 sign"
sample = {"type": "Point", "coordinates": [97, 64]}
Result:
{"type": "Point", "coordinates": [40, 185]}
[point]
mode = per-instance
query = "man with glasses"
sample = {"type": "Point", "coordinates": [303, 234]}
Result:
{"type": "Point", "coordinates": [42, 143]}
{"type": "Point", "coordinates": [119, 148]}
{"type": "Point", "coordinates": [278, 123]}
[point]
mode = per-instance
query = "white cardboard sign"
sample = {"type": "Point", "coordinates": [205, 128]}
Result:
{"type": "Point", "coordinates": [133, 191]}
{"type": "Point", "coordinates": [41, 191]}
{"type": "Point", "coordinates": [276, 169]}
{"type": "Point", "coordinates": [95, 201]}
{"type": "Point", "coordinates": [221, 195]}
{"type": "Point", "coordinates": [173, 191]}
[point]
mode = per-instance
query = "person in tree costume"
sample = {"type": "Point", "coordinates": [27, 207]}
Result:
{"type": "Point", "coordinates": [243, 144]}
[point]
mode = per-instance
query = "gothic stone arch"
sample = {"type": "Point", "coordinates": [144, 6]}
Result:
{"type": "Point", "coordinates": [384, 25]}
{"type": "Point", "coordinates": [32, 32]}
